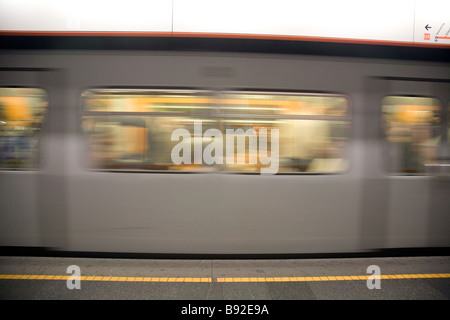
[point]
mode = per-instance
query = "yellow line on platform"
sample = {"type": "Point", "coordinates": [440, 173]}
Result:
{"type": "Point", "coordinates": [336, 278]}
{"type": "Point", "coordinates": [224, 279]}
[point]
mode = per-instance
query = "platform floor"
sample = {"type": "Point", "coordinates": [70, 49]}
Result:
{"type": "Point", "coordinates": [394, 278]}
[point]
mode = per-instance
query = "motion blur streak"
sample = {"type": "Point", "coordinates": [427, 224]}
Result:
{"type": "Point", "coordinates": [85, 142]}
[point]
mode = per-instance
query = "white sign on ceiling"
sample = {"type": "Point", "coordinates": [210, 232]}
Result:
{"type": "Point", "coordinates": [404, 22]}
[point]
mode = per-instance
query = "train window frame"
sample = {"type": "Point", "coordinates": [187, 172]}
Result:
{"type": "Point", "coordinates": [447, 126]}
{"type": "Point", "coordinates": [137, 90]}
{"type": "Point", "coordinates": [38, 163]}
{"type": "Point", "coordinates": [347, 117]}
{"type": "Point", "coordinates": [383, 135]}
{"type": "Point", "coordinates": [217, 115]}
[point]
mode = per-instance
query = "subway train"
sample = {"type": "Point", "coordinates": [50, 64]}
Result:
{"type": "Point", "coordinates": [222, 147]}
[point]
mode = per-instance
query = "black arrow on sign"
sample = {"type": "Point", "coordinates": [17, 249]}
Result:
{"type": "Point", "coordinates": [427, 27]}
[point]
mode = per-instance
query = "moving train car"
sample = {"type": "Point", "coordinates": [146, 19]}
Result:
{"type": "Point", "coordinates": [222, 146]}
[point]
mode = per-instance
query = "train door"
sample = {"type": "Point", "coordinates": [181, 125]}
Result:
{"type": "Point", "coordinates": [31, 192]}
{"type": "Point", "coordinates": [407, 197]}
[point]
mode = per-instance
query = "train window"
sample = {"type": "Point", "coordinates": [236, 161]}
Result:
{"type": "Point", "coordinates": [313, 129]}
{"type": "Point", "coordinates": [412, 132]}
{"type": "Point", "coordinates": [448, 124]}
{"type": "Point", "coordinates": [132, 129]}
{"type": "Point", "coordinates": [21, 115]}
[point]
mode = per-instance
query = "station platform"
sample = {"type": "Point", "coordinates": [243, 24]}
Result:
{"type": "Point", "coordinates": [222, 282]}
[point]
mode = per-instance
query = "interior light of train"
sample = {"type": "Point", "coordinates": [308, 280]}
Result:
{"type": "Point", "coordinates": [177, 107]}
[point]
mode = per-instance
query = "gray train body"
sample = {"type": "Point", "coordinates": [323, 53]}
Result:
{"type": "Point", "coordinates": [64, 205]}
